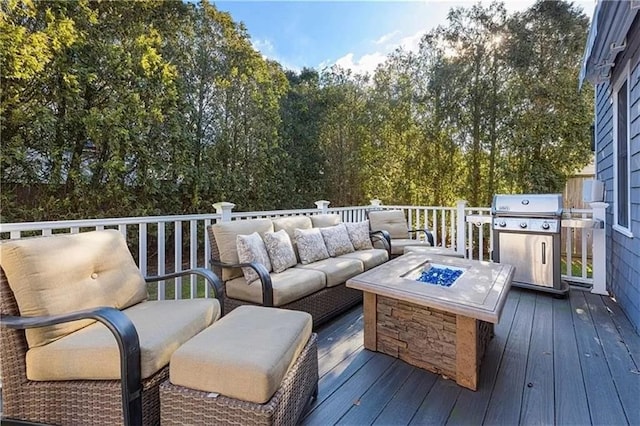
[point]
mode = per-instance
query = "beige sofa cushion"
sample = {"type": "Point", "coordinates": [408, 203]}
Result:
{"type": "Point", "coordinates": [325, 220]}
{"type": "Point", "coordinates": [337, 269]}
{"type": "Point", "coordinates": [225, 234]}
{"type": "Point", "coordinates": [392, 221]}
{"type": "Point", "coordinates": [288, 286]}
{"type": "Point", "coordinates": [251, 248]}
{"type": "Point", "coordinates": [289, 224]}
{"type": "Point", "coordinates": [245, 355]}
{"type": "Point", "coordinates": [370, 258]}
{"type": "Point", "coordinates": [65, 273]}
{"type": "Point", "coordinates": [92, 353]}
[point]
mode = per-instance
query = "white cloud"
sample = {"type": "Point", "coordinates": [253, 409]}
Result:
{"type": "Point", "coordinates": [411, 43]}
{"type": "Point", "coordinates": [263, 46]}
{"type": "Point", "coordinates": [366, 64]}
{"type": "Point", "coordinates": [385, 38]}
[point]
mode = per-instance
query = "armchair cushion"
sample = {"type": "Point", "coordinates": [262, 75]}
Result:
{"type": "Point", "coordinates": [359, 235]}
{"type": "Point", "coordinates": [66, 273]}
{"type": "Point", "coordinates": [370, 258]}
{"type": "Point", "coordinates": [288, 286]}
{"type": "Point", "coordinates": [92, 353]}
{"type": "Point", "coordinates": [392, 221]}
{"type": "Point", "coordinates": [225, 235]}
{"type": "Point", "coordinates": [336, 238]}
{"type": "Point", "coordinates": [251, 248]}
{"type": "Point", "coordinates": [311, 245]}
{"type": "Point", "coordinates": [280, 250]}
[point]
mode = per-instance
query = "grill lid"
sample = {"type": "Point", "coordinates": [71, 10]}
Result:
{"type": "Point", "coordinates": [548, 205]}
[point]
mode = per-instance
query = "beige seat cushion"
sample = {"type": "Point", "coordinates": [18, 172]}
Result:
{"type": "Point", "coordinates": [288, 286]}
{"type": "Point", "coordinates": [398, 245]}
{"type": "Point", "coordinates": [245, 355]}
{"type": "Point", "coordinates": [392, 221]}
{"type": "Point", "coordinates": [225, 234]}
{"type": "Point", "coordinates": [370, 258]}
{"type": "Point", "coordinates": [325, 220]}
{"type": "Point", "coordinates": [65, 273]}
{"type": "Point", "coordinates": [337, 269]}
{"type": "Point", "coordinates": [92, 353]}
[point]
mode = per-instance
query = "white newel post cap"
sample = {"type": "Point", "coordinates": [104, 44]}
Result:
{"type": "Point", "coordinates": [375, 202]}
{"type": "Point", "coordinates": [322, 205]}
{"type": "Point", "coordinates": [223, 208]}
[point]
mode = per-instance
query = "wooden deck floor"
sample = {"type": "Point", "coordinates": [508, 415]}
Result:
{"type": "Point", "coordinates": [564, 361]}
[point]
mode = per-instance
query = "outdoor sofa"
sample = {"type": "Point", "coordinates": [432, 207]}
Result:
{"type": "Point", "coordinates": [294, 262]}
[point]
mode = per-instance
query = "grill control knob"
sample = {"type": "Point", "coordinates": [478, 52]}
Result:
{"type": "Point", "coordinates": [502, 223]}
{"type": "Point", "coordinates": [523, 225]}
{"type": "Point", "coordinates": [546, 225]}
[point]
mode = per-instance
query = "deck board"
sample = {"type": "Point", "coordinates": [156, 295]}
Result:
{"type": "Point", "coordinates": [604, 406]}
{"type": "Point", "coordinates": [571, 405]}
{"type": "Point", "coordinates": [554, 344]}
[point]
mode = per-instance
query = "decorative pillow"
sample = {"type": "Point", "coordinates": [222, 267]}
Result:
{"type": "Point", "coordinates": [280, 250]}
{"type": "Point", "coordinates": [310, 244]}
{"type": "Point", "coordinates": [251, 248]}
{"type": "Point", "coordinates": [336, 238]}
{"type": "Point", "coordinates": [359, 235]}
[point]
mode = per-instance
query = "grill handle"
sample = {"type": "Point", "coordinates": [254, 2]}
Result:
{"type": "Point", "coordinates": [544, 253]}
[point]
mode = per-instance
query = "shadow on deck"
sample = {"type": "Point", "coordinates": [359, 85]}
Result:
{"type": "Point", "coordinates": [562, 361]}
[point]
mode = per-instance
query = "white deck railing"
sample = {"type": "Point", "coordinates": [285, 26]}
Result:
{"type": "Point", "coordinates": [163, 244]}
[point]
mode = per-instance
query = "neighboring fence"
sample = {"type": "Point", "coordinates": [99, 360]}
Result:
{"type": "Point", "coordinates": [163, 244]}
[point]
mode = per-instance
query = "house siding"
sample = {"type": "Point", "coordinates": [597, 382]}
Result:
{"type": "Point", "coordinates": [623, 252]}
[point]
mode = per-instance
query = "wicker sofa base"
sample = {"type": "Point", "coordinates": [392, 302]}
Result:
{"type": "Point", "coordinates": [322, 305]}
{"type": "Point", "coordinates": [183, 406]}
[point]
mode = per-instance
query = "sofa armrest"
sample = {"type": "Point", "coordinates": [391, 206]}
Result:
{"type": "Point", "coordinates": [128, 344]}
{"type": "Point", "coordinates": [427, 234]}
{"type": "Point", "coordinates": [265, 278]}
{"type": "Point", "coordinates": [212, 280]}
{"type": "Point", "coordinates": [382, 236]}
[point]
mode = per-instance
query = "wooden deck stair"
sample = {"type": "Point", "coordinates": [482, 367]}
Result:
{"type": "Point", "coordinates": [552, 361]}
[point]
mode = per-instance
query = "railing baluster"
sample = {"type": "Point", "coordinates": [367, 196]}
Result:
{"type": "Point", "coordinates": [161, 260]}
{"type": "Point", "coordinates": [193, 254]}
{"type": "Point", "coordinates": [142, 248]}
{"type": "Point", "coordinates": [177, 257]}
{"type": "Point", "coordinates": [570, 252]}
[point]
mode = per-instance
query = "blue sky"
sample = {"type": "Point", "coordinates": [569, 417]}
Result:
{"type": "Point", "coordinates": [356, 35]}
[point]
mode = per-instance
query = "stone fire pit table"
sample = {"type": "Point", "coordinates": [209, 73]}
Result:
{"type": "Point", "coordinates": [441, 329]}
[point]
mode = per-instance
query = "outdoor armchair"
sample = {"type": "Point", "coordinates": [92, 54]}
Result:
{"type": "Point", "coordinates": [79, 342]}
{"type": "Point", "coordinates": [397, 231]}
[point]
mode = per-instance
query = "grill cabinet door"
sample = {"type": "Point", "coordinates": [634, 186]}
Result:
{"type": "Point", "coordinates": [532, 256]}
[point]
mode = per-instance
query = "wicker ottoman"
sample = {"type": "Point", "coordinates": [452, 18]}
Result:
{"type": "Point", "coordinates": [254, 366]}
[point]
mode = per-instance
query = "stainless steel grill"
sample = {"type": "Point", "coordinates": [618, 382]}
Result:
{"type": "Point", "coordinates": [526, 234]}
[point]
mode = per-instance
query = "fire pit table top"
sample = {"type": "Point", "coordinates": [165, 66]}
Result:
{"type": "Point", "coordinates": [480, 292]}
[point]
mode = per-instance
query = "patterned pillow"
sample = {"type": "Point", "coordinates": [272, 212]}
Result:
{"type": "Point", "coordinates": [359, 235]}
{"type": "Point", "coordinates": [336, 238]}
{"type": "Point", "coordinates": [251, 248]}
{"type": "Point", "coordinates": [280, 250]}
{"type": "Point", "coordinates": [310, 244]}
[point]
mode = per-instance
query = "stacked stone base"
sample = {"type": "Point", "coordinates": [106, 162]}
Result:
{"type": "Point", "coordinates": [438, 341]}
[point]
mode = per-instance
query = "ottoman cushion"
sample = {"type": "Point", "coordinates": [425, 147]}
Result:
{"type": "Point", "coordinates": [245, 355]}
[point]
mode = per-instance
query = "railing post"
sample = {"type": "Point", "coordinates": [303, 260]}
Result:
{"type": "Point", "coordinates": [323, 205]}
{"type": "Point", "coordinates": [599, 250]}
{"type": "Point", "coordinates": [223, 208]}
{"type": "Point", "coordinates": [375, 202]}
{"type": "Point", "coordinates": [461, 234]}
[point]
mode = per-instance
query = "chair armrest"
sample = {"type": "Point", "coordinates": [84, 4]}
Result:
{"type": "Point", "coordinates": [384, 237]}
{"type": "Point", "coordinates": [263, 274]}
{"type": "Point", "coordinates": [128, 344]}
{"type": "Point", "coordinates": [427, 234]}
{"type": "Point", "coordinates": [211, 278]}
